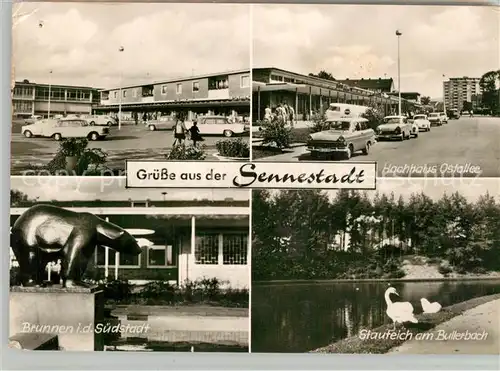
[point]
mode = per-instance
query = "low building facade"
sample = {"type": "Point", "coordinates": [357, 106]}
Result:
{"type": "Point", "coordinates": [226, 93]}
{"type": "Point", "coordinates": [309, 94]}
{"type": "Point", "coordinates": [29, 98]}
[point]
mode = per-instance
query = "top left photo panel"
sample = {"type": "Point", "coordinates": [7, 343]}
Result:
{"type": "Point", "coordinates": [94, 85]}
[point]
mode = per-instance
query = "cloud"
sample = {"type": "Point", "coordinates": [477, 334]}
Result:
{"type": "Point", "coordinates": [359, 41]}
{"type": "Point", "coordinates": [80, 42]}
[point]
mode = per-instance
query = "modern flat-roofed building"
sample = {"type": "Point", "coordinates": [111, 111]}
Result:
{"type": "Point", "coordinates": [458, 90]}
{"type": "Point", "coordinates": [380, 85]}
{"type": "Point", "coordinates": [30, 98]}
{"type": "Point", "coordinates": [409, 96]}
{"type": "Point", "coordinates": [308, 94]}
{"type": "Point", "coordinates": [219, 93]}
{"type": "Point", "coordinates": [190, 240]}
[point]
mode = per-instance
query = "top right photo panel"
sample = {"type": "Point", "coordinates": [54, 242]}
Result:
{"type": "Point", "coordinates": [414, 88]}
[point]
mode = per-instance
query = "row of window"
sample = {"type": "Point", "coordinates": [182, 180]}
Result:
{"type": "Point", "coordinates": [210, 249]}
{"type": "Point", "coordinates": [195, 87]}
{"type": "Point", "coordinates": [22, 106]}
{"type": "Point", "coordinates": [62, 94]}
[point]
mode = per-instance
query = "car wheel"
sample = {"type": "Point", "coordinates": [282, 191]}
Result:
{"type": "Point", "coordinates": [92, 123]}
{"type": "Point", "coordinates": [94, 136]}
{"type": "Point", "coordinates": [109, 123]}
{"type": "Point", "coordinates": [366, 150]}
{"type": "Point", "coordinates": [57, 136]}
{"type": "Point", "coordinates": [28, 134]}
{"type": "Point", "coordinates": [349, 152]}
{"type": "Point", "coordinates": [228, 133]}
{"type": "Point", "coordinates": [152, 128]}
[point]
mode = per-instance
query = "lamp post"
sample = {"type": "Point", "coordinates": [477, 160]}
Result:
{"type": "Point", "coordinates": [120, 50]}
{"type": "Point", "coordinates": [444, 95]}
{"type": "Point", "coordinates": [50, 85]}
{"type": "Point", "coordinates": [398, 34]}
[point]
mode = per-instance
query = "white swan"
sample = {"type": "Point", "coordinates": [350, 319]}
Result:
{"type": "Point", "coordinates": [399, 312]}
{"type": "Point", "coordinates": [429, 307]}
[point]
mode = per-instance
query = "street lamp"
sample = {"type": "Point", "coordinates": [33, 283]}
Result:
{"type": "Point", "coordinates": [444, 95]}
{"type": "Point", "coordinates": [120, 50]}
{"type": "Point", "coordinates": [398, 34]}
{"type": "Point", "coordinates": [50, 84]}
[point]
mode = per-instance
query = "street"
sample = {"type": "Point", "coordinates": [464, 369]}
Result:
{"type": "Point", "coordinates": [466, 147]}
{"type": "Point", "coordinates": [130, 142]}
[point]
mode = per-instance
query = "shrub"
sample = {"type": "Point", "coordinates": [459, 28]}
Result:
{"type": "Point", "coordinates": [73, 146]}
{"type": "Point", "coordinates": [399, 273]}
{"type": "Point", "coordinates": [233, 148]}
{"type": "Point", "coordinates": [374, 115]}
{"type": "Point", "coordinates": [319, 122]}
{"type": "Point", "coordinates": [159, 290]}
{"type": "Point", "coordinates": [89, 158]}
{"type": "Point", "coordinates": [276, 132]}
{"type": "Point", "coordinates": [444, 269]}
{"type": "Point", "coordinates": [117, 290]}
{"type": "Point", "coordinates": [182, 152]}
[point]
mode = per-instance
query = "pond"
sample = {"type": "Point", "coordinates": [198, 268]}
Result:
{"type": "Point", "coordinates": [297, 318]}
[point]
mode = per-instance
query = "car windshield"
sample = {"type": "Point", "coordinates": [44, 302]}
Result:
{"type": "Point", "coordinates": [434, 115]}
{"type": "Point", "coordinates": [340, 125]}
{"type": "Point", "coordinates": [392, 120]}
{"type": "Point", "coordinates": [419, 117]}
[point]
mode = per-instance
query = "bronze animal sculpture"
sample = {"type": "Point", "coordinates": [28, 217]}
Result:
{"type": "Point", "coordinates": [45, 233]}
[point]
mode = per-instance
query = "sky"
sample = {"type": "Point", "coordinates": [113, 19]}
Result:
{"type": "Point", "coordinates": [80, 42]}
{"type": "Point", "coordinates": [359, 41]}
{"type": "Point", "coordinates": [110, 189]}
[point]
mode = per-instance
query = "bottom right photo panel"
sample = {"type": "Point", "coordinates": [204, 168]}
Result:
{"type": "Point", "coordinates": [411, 268]}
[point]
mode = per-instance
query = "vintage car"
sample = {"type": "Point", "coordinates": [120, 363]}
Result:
{"type": "Point", "coordinates": [435, 119]}
{"type": "Point", "coordinates": [67, 128]}
{"type": "Point", "coordinates": [161, 123]}
{"type": "Point", "coordinates": [218, 125]}
{"type": "Point", "coordinates": [396, 127]}
{"type": "Point", "coordinates": [100, 120]}
{"type": "Point", "coordinates": [453, 114]}
{"type": "Point", "coordinates": [422, 123]}
{"type": "Point", "coordinates": [444, 118]}
{"type": "Point", "coordinates": [345, 136]}
{"type": "Point", "coordinates": [32, 119]}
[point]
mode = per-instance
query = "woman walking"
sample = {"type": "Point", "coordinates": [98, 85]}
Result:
{"type": "Point", "coordinates": [179, 130]}
{"type": "Point", "coordinates": [194, 132]}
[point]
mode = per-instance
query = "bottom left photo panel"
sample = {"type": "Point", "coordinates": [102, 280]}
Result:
{"type": "Point", "coordinates": [95, 266]}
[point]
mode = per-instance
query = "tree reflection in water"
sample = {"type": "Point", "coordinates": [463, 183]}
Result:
{"type": "Point", "coordinates": [303, 317]}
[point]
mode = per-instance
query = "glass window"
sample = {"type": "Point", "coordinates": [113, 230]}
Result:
{"type": "Point", "coordinates": [178, 88]}
{"type": "Point", "coordinates": [164, 89]}
{"type": "Point", "coordinates": [196, 86]}
{"type": "Point", "coordinates": [234, 249]}
{"type": "Point", "coordinates": [126, 261]}
{"type": "Point", "coordinates": [124, 94]}
{"type": "Point", "coordinates": [160, 256]}
{"type": "Point", "coordinates": [207, 249]}
{"type": "Point", "coordinates": [245, 81]}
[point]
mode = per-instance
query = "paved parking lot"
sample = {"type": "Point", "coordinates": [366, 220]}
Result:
{"type": "Point", "coordinates": [130, 142]}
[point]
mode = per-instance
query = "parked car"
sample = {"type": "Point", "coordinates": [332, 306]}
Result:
{"type": "Point", "coordinates": [161, 123]}
{"type": "Point", "coordinates": [444, 118]}
{"type": "Point", "coordinates": [66, 128]}
{"type": "Point", "coordinates": [345, 136]}
{"type": "Point", "coordinates": [221, 125]}
{"type": "Point", "coordinates": [453, 114]}
{"type": "Point", "coordinates": [435, 119]}
{"type": "Point", "coordinates": [422, 123]}
{"type": "Point", "coordinates": [101, 120]}
{"type": "Point", "coordinates": [396, 127]}
{"type": "Point", "coordinates": [32, 119]}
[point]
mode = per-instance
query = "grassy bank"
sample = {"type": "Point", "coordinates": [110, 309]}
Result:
{"type": "Point", "coordinates": [355, 345]}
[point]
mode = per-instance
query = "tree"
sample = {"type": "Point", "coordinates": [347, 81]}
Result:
{"type": "Point", "coordinates": [18, 198]}
{"type": "Point", "coordinates": [323, 75]}
{"type": "Point", "coordinates": [489, 86]}
{"type": "Point", "coordinates": [425, 100]}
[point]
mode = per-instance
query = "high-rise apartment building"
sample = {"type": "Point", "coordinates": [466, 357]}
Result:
{"type": "Point", "coordinates": [458, 90]}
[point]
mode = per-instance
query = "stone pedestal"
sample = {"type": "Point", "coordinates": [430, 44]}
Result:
{"type": "Point", "coordinates": [70, 313]}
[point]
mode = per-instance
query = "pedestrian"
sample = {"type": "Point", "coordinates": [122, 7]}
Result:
{"type": "Point", "coordinates": [179, 130]}
{"type": "Point", "coordinates": [268, 114]}
{"type": "Point", "coordinates": [194, 132]}
{"type": "Point", "coordinates": [291, 114]}
{"type": "Point", "coordinates": [145, 117]}
{"type": "Point", "coordinates": [136, 118]}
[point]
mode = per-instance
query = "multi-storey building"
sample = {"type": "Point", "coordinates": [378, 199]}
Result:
{"type": "Point", "coordinates": [308, 94]}
{"type": "Point", "coordinates": [380, 85]}
{"type": "Point", "coordinates": [458, 90]}
{"type": "Point", "coordinates": [219, 93]}
{"type": "Point", "coordinates": [30, 98]}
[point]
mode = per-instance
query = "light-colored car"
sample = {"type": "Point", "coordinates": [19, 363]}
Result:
{"type": "Point", "coordinates": [422, 122]}
{"type": "Point", "coordinates": [161, 123]}
{"type": "Point", "coordinates": [435, 119]}
{"type": "Point", "coordinates": [345, 136]}
{"type": "Point", "coordinates": [67, 128]}
{"type": "Point", "coordinates": [396, 127]}
{"type": "Point", "coordinates": [218, 125]}
{"type": "Point", "coordinates": [32, 119]}
{"type": "Point", "coordinates": [444, 118]}
{"type": "Point", "coordinates": [96, 120]}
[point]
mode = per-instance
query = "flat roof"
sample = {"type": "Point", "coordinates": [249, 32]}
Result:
{"type": "Point", "coordinates": [31, 83]}
{"type": "Point", "coordinates": [180, 78]}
